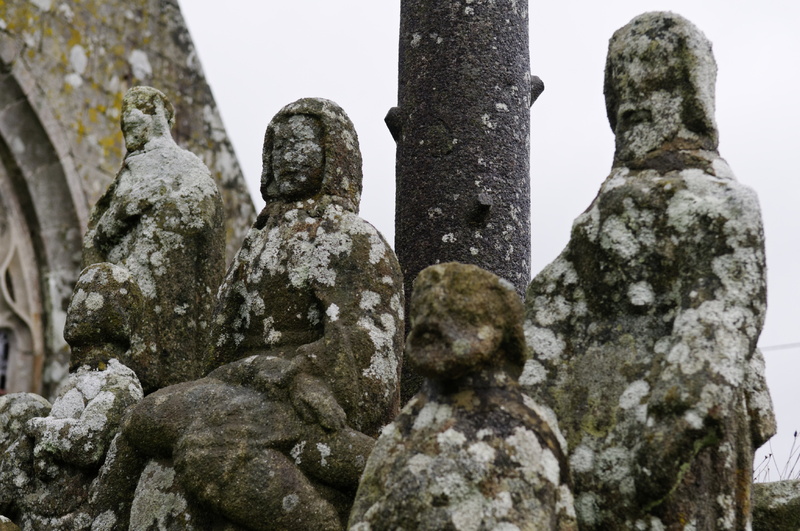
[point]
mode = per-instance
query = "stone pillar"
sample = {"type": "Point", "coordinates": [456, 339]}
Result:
{"type": "Point", "coordinates": [462, 130]}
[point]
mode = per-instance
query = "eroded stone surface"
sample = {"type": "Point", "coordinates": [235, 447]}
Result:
{"type": "Point", "coordinates": [306, 345]}
{"type": "Point", "coordinates": [644, 329]}
{"type": "Point", "coordinates": [470, 451]}
{"type": "Point", "coordinates": [65, 69]}
{"type": "Point", "coordinates": [7, 525]}
{"type": "Point", "coordinates": [776, 506]}
{"type": "Point", "coordinates": [46, 473]}
{"type": "Point", "coordinates": [162, 220]}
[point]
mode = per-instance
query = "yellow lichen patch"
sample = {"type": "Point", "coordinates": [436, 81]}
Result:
{"type": "Point", "coordinates": [74, 38]}
{"type": "Point", "coordinates": [111, 146]}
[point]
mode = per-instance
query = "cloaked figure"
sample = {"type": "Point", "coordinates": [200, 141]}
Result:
{"type": "Point", "coordinates": [162, 219]}
{"type": "Point", "coordinates": [644, 329]}
{"type": "Point", "coordinates": [305, 355]}
{"type": "Point", "coordinates": [469, 451]}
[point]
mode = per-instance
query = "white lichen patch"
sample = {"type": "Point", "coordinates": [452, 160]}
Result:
{"type": "Point", "coordinates": [616, 237]}
{"type": "Point", "coordinates": [324, 452]}
{"type": "Point", "coordinates": [78, 59]}
{"type": "Point", "coordinates": [551, 309]}
{"type": "Point", "coordinates": [431, 415]}
{"type": "Point", "coordinates": [155, 501]}
{"type": "Point", "coordinates": [544, 342]}
{"type": "Point", "coordinates": [369, 300]}
{"type": "Point", "coordinates": [383, 362]}
{"type": "Point", "coordinates": [297, 452]}
{"type": "Point", "coordinates": [290, 502]}
{"type": "Point", "coordinates": [533, 460]}
{"type": "Point", "coordinates": [451, 437]}
{"type": "Point", "coordinates": [481, 452]}
{"type": "Point", "coordinates": [641, 294]}
{"type": "Point", "coordinates": [419, 464]}
{"type": "Point", "coordinates": [533, 373]}
{"type": "Point", "coordinates": [634, 394]}
{"type": "Point", "coordinates": [332, 312]}
{"type": "Point", "coordinates": [271, 336]}
{"type": "Point", "coordinates": [140, 64]}
{"type": "Point", "coordinates": [582, 459]}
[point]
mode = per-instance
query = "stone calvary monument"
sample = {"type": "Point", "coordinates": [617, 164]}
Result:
{"type": "Point", "coordinates": [625, 392]}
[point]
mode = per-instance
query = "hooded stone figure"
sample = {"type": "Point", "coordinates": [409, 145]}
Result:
{"type": "Point", "coordinates": [312, 278]}
{"type": "Point", "coordinates": [307, 338]}
{"type": "Point", "coordinates": [644, 329]}
{"type": "Point", "coordinates": [162, 219]}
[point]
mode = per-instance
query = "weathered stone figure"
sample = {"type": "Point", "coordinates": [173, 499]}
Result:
{"type": "Point", "coordinates": [162, 219]}
{"type": "Point", "coordinates": [16, 459]}
{"type": "Point", "coordinates": [470, 451]}
{"type": "Point", "coordinates": [307, 339]}
{"type": "Point", "coordinates": [644, 329]}
{"type": "Point", "coordinates": [312, 277]}
{"type": "Point", "coordinates": [47, 472]}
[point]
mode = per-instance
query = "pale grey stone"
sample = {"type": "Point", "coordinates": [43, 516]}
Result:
{"type": "Point", "coordinates": [643, 331]}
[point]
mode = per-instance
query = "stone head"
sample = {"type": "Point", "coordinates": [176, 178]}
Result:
{"type": "Point", "coordinates": [659, 87]}
{"type": "Point", "coordinates": [463, 320]}
{"type": "Point", "coordinates": [103, 315]}
{"type": "Point", "coordinates": [297, 158]}
{"type": "Point", "coordinates": [310, 150]}
{"type": "Point", "coordinates": [146, 114]}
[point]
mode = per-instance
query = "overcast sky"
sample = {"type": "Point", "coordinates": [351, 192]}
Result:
{"type": "Point", "coordinates": [259, 56]}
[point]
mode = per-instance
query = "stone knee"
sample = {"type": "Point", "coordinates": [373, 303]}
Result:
{"type": "Point", "coordinates": [259, 488]}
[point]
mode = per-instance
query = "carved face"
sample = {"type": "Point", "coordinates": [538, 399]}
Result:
{"type": "Point", "coordinates": [297, 158]}
{"type": "Point", "coordinates": [139, 127]}
{"type": "Point", "coordinates": [660, 87]}
{"type": "Point", "coordinates": [448, 346]}
{"type": "Point", "coordinates": [645, 120]}
{"type": "Point", "coordinates": [458, 321]}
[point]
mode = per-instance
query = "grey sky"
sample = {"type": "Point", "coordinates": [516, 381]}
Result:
{"type": "Point", "coordinates": [258, 56]}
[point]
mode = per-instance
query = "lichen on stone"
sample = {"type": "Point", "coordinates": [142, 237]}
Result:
{"type": "Point", "coordinates": [467, 452]}
{"type": "Point", "coordinates": [643, 331]}
{"type": "Point", "coordinates": [303, 365]}
{"type": "Point", "coordinates": [161, 219]}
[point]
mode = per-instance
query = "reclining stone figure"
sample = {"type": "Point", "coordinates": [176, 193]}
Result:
{"type": "Point", "coordinates": [469, 451]}
{"type": "Point", "coordinates": [162, 219]}
{"type": "Point", "coordinates": [644, 329]}
{"type": "Point", "coordinates": [304, 359]}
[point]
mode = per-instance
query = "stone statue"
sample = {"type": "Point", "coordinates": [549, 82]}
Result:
{"type": "Point", "coordinates": [48, 470]}
{"type": "Point", "coordinates": [307, 336]}
{"type": "Point", "coordinates": [470, 451]}
{"type": "Point", "coordinates": [644, 329]}
{"type": "Point", "coordinates": [314, 282]}
{"type": "Point", "coordinates": [16, 460]}
{"type": "Point", "coordinates": [162, 219]}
